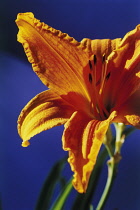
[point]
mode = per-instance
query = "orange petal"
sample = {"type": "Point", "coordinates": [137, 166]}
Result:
{"type": "Point", "coordinates": [129, 112]}
{"type": "Point", "coordinates": [83, 138]}
{"type": "Point", "coordinates": [100, 47]}
{"type": "Point", "coordinates": [57, 58]}
{"type": "Point", "coordinates": [43, 112]}
{"type": "Point", "coordinates": [93, 71]}
{"type": "Point", "coordinates": [124, 64]}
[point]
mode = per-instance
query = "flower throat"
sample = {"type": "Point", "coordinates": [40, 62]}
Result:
{"type": "Point", "coordinates": [98, 81]}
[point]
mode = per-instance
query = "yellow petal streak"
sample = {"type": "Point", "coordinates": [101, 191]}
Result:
{"type": "Point", "coordinates": [43, 112]}
{"type": "Point", "coordinates": [83, 138]}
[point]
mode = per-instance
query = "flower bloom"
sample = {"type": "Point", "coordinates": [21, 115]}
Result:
{"type": "Point", "coordinates": [91, 84]}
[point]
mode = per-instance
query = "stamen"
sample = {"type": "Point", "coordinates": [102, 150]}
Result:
{"type": "Point", "coordinates": [103, 75]}
{"type": "Point", "coordinates": [103, 58]}
{"type": "Point", "coordinates": [90, 77]}
{"type": "Point", "coordinates": [90, 64]}
{"type": "Point", "coordinates": [92, 80]}
{"type": "Point", "coordinates": [94, 72]}
{"type": "Point", "coordinates": [97, 83]}
{"type": "Point", "coordinates": [94, 109]}
{"type": "Point", "coordinates": [97, 105]}
{"type": "Point", "coordinates": [94, 59]}
{"type": "Point", "coordinates": [107, 76]}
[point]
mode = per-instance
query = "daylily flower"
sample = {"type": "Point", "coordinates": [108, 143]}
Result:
{"type": "Point", "coordinates": [91, 84]}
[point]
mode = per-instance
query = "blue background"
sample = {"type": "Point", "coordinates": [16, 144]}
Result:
{"type": "Point", "coordinates": [23, 170]}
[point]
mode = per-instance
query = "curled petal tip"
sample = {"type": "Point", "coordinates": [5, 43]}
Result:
{"type": "Point", "coordinates": [29, 14]}
{"type": "Point", "coordinates": [25, 144]}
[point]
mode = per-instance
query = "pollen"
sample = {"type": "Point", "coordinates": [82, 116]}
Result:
{"type": "Point", "coordinates": [94, 59]}
{"type": "Point", "coordinates": [107, 76]}
{"type": "Point", "coordinates": [90, 64]}
{"type": "Point", "coordinates": [104, 75]}
{"type": "Point", "coordinates": [90, 78]}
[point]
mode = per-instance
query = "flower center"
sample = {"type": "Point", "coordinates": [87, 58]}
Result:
{"type": "Point", "coordinates": [98, 76]}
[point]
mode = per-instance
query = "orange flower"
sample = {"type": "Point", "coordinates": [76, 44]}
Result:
{"type": "Point", "coordinates": [91, 84]}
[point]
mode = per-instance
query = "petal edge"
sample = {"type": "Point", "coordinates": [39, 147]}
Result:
{"type": "Point", "coordinates": [43, 112]}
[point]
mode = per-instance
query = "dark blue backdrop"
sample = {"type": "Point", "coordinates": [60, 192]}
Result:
{"type": "Point", "coordinates": [23, 170]}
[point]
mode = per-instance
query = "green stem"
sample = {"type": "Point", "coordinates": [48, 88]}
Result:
{"type": "Point", "coordinates": [60, 201]}
{"type": "Point", "coordinates": [113, 162]}
{"type": "Point", "coordinates": [119, 137]}
{"type": "Point", "coordinates": [111, 170]}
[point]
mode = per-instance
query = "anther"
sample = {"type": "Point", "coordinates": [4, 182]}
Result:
{"type": "Point", "coordinates": [90, 64]}
{"type": "Point", "coordinates": [103, 58]}
{"type": "Point", "coordinates": [107, 76]}
{"type": "Point", "coordinates": [98, 82]}
{"type": "Point", "coordinates": [94, 59]}
{"type": "Point", "coordinates": [90, 78]}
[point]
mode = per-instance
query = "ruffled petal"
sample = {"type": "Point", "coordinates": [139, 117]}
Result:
{"type": "Point", "coordinates": [43, 112]}
{"type": "Point", "coordinates": [83, 138]}
{"type": "Point", "coordinates": [56, 58]}
{"type": "Point", "coordinates": [124, 65]}
{"type": "Point", "coordinates": [59, 60]}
